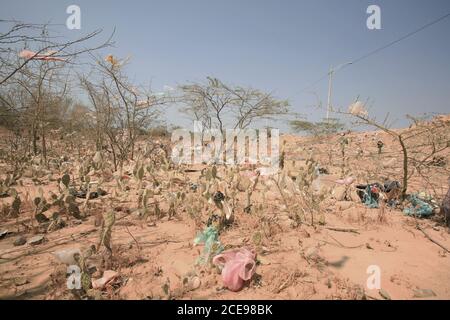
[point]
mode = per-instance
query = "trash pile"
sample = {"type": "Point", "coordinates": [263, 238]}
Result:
{"type": "Point", "coordinates": [420, 204]}
{"type": "Point", "coordinates": [370, 194]}
{"type": "Point", "coordinates": [418, 208]}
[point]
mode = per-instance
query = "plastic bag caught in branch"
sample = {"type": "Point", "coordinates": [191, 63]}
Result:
{"type": "Point", "coordinates": [48, 56]}
{"type": "Point", "coordinates": [358, 109]}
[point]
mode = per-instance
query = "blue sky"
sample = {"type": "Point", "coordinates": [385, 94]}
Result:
{"type": "Point", "coordinates": [277, 46]}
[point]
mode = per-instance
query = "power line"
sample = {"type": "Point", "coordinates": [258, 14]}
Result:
{"type": "Point", "coordinates": [315, 82]}
{"type": "Point", "coordinates": [401, 38]}
{"type": "Point", "coordinates": [383, 47]}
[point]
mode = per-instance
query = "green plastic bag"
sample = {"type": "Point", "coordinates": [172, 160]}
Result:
{"type": "Point", "coordinates": [419, 207]}
{"type": "Point", "coordinates": [210, 238]}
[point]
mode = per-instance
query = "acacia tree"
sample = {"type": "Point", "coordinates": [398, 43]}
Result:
{"type": "Point", "coordinates": [35, 72]}
{"type": "Point", "coordinates": [216, 104]}
{"type": "Point", "coordinates": [22, 35]}
{"type": "Point", "coordinates": [120, 110]}
{"type": "Point", "coordinates": [325, 127]}
{"type": "Point", "coordinates": [46, 86]}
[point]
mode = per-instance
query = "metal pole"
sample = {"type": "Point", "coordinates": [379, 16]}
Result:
{"type": "Point", "coordinates": [329, 93]}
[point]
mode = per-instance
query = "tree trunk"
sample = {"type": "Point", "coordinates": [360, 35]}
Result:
{"type": "Point", "coordinates": [34, 133]}
{"type": "Point", "coordinates": [405, 167]}
{"type": "Point", "coordinates": [44, 147]}
{"type": "Point", "coordinates": [114, 156]}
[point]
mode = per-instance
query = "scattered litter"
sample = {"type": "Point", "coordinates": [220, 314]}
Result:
{"type": "Point", "coordinates": [322, 170]}
{"type": "Point", "coordinates": [4, 233]}
{"type": "Point", "coordinates": [424, 293]}
{"type": "Point", "coordinates": [392, 190]}
{"type": "Point", "coordinates": [418, 208]}
{"type": "Point", "coordinates": [191, 283]}
{"type": "Point", "coordinates": [238, 266]}
{"type": "Point", "coordinates": [370, 194]}
{"type": "Point", "coordinates": [391, 185]}
{"type": "Point", "coordinates": [20, 241]}
{"type": "Point", "coordinates": [428, 198]}
{"type": "Point", "coordinates": [36, 240]}
{"type": "Point", "coordinates": [347, 181]}
{"type": "Point", "coordinates": [196, 283]}
{"type": "Point", "coordinates": [210, 238]}
{"type": "Point", "coordinates": [108, 276]}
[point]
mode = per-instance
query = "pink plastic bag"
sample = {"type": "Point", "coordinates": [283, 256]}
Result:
{"type": "Point", "coordinates": [347, 181]}
{"type": "Point", "coordinates": [238, 266]}
{"type": "Point", "coordinates": [27, 54]}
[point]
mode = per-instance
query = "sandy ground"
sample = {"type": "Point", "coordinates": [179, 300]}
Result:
{"type": "Point", "coordinates": [294, 262]}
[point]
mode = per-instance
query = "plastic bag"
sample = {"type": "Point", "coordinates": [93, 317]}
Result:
{"type": "Point", "coordinates": [210, 238]}
{"type": "Point", "coordinates": [238, 266]}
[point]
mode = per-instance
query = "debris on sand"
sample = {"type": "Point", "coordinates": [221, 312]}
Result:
{"type": "Point", "coordinates": [370, 194]}
{"type": "Point", "coordinates": [218, 231]}
{"type": "Point", "coordinates": [4, 233]}
{"type": "Point", "coordinates": [237, 265]}
{"type": "Point", "coordinates": [346, 181]}
{"type": "Point", "coordinates": [108, 276]}
{"type": "Point", "coordinates": [210, 238]}
{"type": "Point", "coordinates": [191, 282]}
{"type": "Point", "coordinates": [418, 208]}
